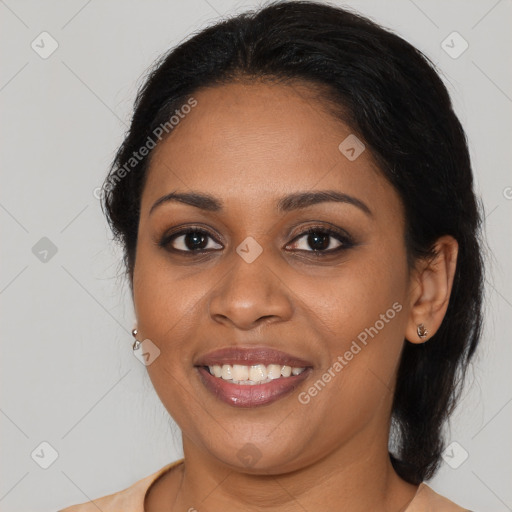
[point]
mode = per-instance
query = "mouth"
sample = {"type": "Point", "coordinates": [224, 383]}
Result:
{"type": "Point", "coordinates": [251, 377]}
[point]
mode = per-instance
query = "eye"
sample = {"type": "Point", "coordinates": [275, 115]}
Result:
{"type": "Point", "coordinates": [318, 240]}
{"type": "Point", "coordinates": [321, 240]}
{"type": "Point", "coordinates": [191, 240]}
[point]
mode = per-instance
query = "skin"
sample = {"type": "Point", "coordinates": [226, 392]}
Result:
{"type": "Point", "coordinates": [249, 144]}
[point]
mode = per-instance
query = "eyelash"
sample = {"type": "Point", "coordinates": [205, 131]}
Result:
{"type": "Point", "coordinates": [341, 236]}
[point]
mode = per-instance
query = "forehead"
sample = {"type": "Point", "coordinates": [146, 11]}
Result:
{"type": "Point", "coordinates": [255, 141]}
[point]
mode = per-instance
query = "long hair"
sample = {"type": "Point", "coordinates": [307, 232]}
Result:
{"type": "Point", "coordinates": [390, 95]}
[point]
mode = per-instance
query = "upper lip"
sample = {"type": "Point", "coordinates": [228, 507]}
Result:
{"type": "Point", "coordinates": [250, 356]}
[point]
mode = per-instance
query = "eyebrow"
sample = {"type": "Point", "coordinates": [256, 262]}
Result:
{"type": "Point", "coordinates": [287, 203]}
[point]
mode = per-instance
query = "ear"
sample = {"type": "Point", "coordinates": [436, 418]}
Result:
{"type": "Point", "coordinates": [430, 289]}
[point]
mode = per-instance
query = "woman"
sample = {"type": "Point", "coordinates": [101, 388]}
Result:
{"type": "Point", "coordinates": [301, 237]}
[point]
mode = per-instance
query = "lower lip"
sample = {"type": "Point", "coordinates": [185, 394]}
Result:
{"type": "Point", "coordinates": [246, 395]}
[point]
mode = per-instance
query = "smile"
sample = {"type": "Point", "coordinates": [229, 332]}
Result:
{"type": "Point", "coordinates": [246, 392]}
{"type": "Point", "coordinates": [251, 376]}
{"type": "Point", "coordinates": [254, 374]}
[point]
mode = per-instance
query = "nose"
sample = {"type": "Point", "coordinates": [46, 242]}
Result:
{"type": "Point", "coordinates": [250, 294]}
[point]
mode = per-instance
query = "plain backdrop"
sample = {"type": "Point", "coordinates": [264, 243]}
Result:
{"type": "Point", "coordinates": [68, 374]}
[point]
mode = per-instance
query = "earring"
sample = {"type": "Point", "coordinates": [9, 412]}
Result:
{"type": "Point", "coordinates": [422, 331]}
{"type": "Point", "coordinates": [136, 343]}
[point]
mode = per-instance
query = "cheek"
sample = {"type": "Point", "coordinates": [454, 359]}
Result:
{"type": "Point", "coordinates": [170, 306]}
{"type": "Point", "coordinates": [163, 310]}
{"type": "Point", "coordinates": [360, 315]}
{"type": "Point", "coordinates": [161, 303]}
{"type": "Point", "coordinates": [354, 296]}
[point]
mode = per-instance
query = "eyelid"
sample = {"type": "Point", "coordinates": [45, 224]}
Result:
{"type": "Point", "coordinates": [165, 240]}
{"type": "Point", "coordinates": [345, 239]}
{"type": "Point", "coordinates": [340, 234]}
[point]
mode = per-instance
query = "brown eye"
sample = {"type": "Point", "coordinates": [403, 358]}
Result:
{"type": "Point", "coordinates": [190, 240]}
{"type": "Point", "coordinates": [321, 240]}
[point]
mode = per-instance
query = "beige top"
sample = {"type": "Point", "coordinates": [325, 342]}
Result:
{"type": "Point", "coordinates": [132, 498]}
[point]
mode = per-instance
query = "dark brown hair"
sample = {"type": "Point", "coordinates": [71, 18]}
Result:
{"type": "Point", "coordinates": [392, 97]}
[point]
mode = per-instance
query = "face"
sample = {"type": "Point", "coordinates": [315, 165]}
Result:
{"type": "Point", "coordinates": [261, 267]}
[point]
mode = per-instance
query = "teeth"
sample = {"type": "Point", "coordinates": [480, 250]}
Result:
{"type": "Point", "coordinates": [255, 374]}
{"type": "Point", "coordinates": [239, 372]}
{"type": "Point", "coordinates": [226, 372]}
{"type": "Point", "coordinates": [274, 371]}
{"type": "Point", "coordinates": [286, 371]}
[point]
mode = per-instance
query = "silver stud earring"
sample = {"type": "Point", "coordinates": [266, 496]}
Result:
{"type": "Point", "coordinates": [136, 343]}
{"type": "Point", "coordinates": [422, 331]}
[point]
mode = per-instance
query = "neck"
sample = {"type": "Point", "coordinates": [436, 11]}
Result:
{"type": "Point", "coordinates": [340, 480]}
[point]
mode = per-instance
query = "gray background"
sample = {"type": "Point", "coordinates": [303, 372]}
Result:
{"type": "Point", "coordinates": [68, 374]}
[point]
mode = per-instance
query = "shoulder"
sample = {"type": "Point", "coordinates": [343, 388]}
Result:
{"type": "Point", "coordinates": [130, 499]}
{"type": "Point", "coordinates": [427, 500]}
